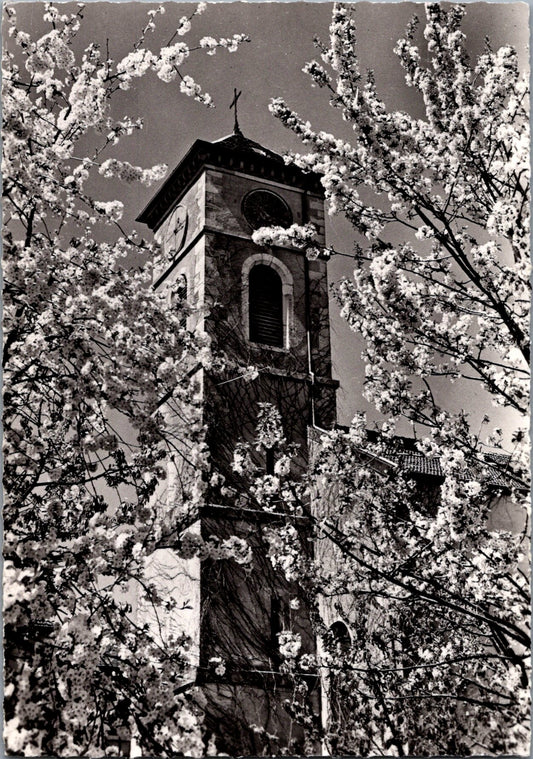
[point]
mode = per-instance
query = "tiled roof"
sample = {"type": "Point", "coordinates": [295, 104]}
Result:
{"type": "Point", "coordinates": [402, 452]}
{"type": "Point", "coordinates": [416, 463]}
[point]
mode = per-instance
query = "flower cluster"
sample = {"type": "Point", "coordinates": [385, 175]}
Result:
{"type": "Point", "coordinates": [297, 236]}
{"type": "Point", "coordinates": [289, 644]}
{"type": "Point", "coordinates": [125, 171]}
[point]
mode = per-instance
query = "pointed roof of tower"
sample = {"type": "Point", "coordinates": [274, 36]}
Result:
{"type": "Point", "coordinates": [235, 152]}
{"type": "Point", "coordinates": [237, 141]}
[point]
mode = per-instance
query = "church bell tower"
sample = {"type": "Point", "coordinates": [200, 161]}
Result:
{"type": "Point", "coordinates": [266, 308]}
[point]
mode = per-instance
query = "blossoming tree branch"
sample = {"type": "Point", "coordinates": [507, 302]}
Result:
{"type": "Point", "coordinates": [90, 351]}
{"type": "Point", "coordinates": [437, 593]}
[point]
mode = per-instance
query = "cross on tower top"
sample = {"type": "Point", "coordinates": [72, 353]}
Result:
{"type": "Point", "coordinates": [236, 96]}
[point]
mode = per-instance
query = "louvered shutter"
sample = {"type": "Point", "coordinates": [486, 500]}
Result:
{"type": "Point", "coordinates": [266, 306]}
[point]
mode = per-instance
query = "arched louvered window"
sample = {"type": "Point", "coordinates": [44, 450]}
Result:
{"type": "Point", "coordinates": [266, 306]}
{"type": "Point", "coordinates": [267, 297]}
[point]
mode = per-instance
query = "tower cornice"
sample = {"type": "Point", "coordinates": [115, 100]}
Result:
{"type": "Point", "coordinates": [238, 154]}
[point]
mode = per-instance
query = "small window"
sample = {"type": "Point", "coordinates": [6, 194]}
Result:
{"type": "Point", "coordinates": [181, 287]}
{"type": "Point", "coordinates": [340, 636]}
{"type": "Point", "coordinates": [266, 306]}
{"type": "Point", "coordinates": [280, 619]}
{"type": "Point", "coordinates": [340, 682]}
{"type": "Point", "coordinates": [179, 297]}
{"type": "Point", "coordinates": [269, 461]}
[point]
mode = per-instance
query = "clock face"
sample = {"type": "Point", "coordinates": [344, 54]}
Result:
{"type": "Point", "coordinates": [176, 231]}
{"type": "Point", "coordinates": [263, 208]}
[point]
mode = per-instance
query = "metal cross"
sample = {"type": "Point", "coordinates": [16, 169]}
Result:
{"type": "Point", "coordinates": [236, 96]}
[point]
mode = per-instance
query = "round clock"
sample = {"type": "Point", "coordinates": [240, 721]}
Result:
{"type": "Point", "coordinates": [263, 208]}
{"type": "Point", "coordinates": [175, 231]}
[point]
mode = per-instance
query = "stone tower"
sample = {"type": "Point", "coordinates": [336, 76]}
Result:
{"type": "Point", "coordinates": [266, 308]}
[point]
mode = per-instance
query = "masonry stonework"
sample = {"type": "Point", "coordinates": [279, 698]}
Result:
{"type": "Point", "coordinates": [236, 612]}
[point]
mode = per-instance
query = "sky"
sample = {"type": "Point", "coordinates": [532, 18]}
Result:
{"type": "Point", "coordinates": [269, 66]}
